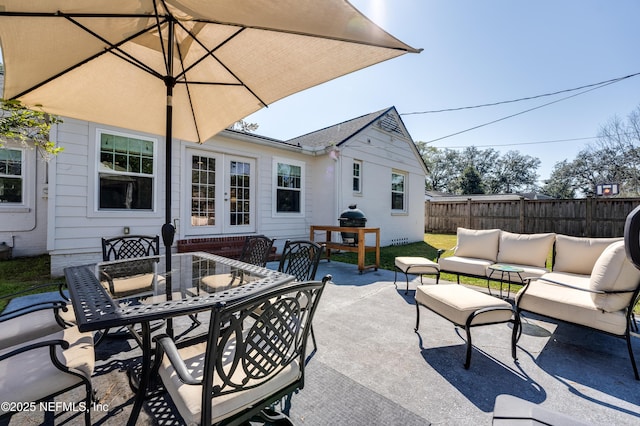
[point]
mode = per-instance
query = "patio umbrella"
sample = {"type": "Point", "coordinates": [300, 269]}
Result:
{"type": "Point", "coordinates": [179, 68]}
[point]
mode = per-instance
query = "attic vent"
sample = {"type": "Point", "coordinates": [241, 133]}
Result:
{"type": "Point", "coordinates": [390, 124]}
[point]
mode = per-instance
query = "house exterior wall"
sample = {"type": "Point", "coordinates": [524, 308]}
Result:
{"type": "Point", "coordinates": [23, 226]}
{"type": "Point", "coordinates": [381, 154]}
{"type": "Point", "coordinates": [76, 225]}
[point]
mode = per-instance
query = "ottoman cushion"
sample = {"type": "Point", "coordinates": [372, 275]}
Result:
{"type": "Point", "coordinates": [418, 265]}
{"type": "Point", "coordinates": [455, 303]}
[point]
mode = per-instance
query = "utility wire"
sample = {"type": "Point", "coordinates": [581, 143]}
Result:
{"type": "Point", "coordinates": [529, 110]}
{"type": "Point", "coordinates": [602, 83]}
{"type": "Point", "coordinates": [519, 143]}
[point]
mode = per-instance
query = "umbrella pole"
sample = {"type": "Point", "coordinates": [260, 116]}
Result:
{"type": "Point", "coordinates": [168, 230]}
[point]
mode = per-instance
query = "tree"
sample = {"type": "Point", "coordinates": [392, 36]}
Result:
{"type": "Point", "coordinates": [561, 182]}
{"type": "Point", "coordinates": [613, 158]}
{"type": "Point", "coordinates": [470, 181]}
{"type": "Point", "coordinates": [513, 172]}
{"type": "Point", "coordinates": [442, 167]}
{"type": "Point", "coordinates": [496, 174]}
{"type": "Point", "coordinates": [23, 125]}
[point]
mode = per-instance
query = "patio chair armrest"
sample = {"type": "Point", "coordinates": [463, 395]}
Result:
{"type": "Point", "coordinates": [51, 304]}
{"type": "Point", "coordinates": [441, 251]}
{"type": "Point", "coordinates": [43, 344]}
{"type": "Point", "coordinates": [166, 345]}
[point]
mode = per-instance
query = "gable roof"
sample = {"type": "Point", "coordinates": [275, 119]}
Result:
{"type": "Point", "coordinates": [341, 132]}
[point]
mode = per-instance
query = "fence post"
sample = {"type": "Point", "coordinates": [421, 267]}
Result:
{"type": "Point", "coordinates": [469, 213]}
{"type": "Point", "coordinates": [522, 215]}
{"type": "Point", "coordinates": [427, 215]}
{"type": "Point", "coordinates": [588, 216]}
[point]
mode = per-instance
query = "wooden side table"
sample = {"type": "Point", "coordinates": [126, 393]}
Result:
{"type": "Point", "coordinates": [361, 248]}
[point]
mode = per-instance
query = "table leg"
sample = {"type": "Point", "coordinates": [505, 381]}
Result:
{"type": "Point", "coordinates": [361, 245]}
{"type": "Point", "coordinates": [144, 374]}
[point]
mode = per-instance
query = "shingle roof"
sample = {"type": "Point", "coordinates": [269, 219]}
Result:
{"type": "Point", "coordinates": [338, 133]}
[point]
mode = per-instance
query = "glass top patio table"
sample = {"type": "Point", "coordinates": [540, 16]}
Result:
{"type": "Point", "coordinates": [196, 283]}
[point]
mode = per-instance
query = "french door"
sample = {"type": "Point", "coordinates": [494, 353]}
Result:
{"type": "Point", "coordinates": [221, 193]}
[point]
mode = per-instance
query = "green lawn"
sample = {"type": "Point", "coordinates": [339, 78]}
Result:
{"type": "Point", "coordinates": [428, 248]}
{"type": "Point", "coordinates": [22, 273]}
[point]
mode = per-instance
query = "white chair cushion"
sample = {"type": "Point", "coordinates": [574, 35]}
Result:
{"type": "Point", "coordinates": [456, 303]}
{"type": "Point", "coordinates": [525, 249]}
{"type": "Point", "coordinates": [479, 244]}
{"type": "Point", "coordinates": [464, 265]}
{"type": "Point", "coordinates": [31, 326]}
{"type": "Point", "coordinates": [188, 398]}
{"type": "Point", "coordinates": [31, 376]}
{"type": "Point", "coordinates": [613, 272]}
{"type": "Point", "coordinates": [577, 255]}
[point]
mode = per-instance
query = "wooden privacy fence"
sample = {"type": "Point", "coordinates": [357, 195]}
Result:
{"type": "Point", "coordinates": [587, 217]}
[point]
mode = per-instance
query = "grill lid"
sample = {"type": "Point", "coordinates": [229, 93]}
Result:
{"type": "Point", "coordinates": [352, 213]}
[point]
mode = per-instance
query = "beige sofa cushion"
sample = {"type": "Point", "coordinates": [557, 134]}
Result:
{"type": "Point", "coordinates": [464, 265]}
{"type": "Point", "coordinates": [571, 305]}
{"type": "Point", "coordinates": [479, 244]}
{"type": "Point", "coordinates": [577, 255]}
{"type": "Point", "coordinates": [525, 249]}
{"type": "Point", "coordinates": [613, 272]}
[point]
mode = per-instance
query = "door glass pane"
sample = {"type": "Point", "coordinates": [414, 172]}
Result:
{"type": "Point", "coordinates": [203, 189]}
{"type": "Point", "coordinates": [239, 191]}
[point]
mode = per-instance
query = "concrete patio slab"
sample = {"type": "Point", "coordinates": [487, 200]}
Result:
{"type": "Point", "coordinates": [365, 332]}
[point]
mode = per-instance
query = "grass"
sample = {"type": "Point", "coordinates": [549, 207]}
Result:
{"type": "Point", "coordinates": [427, 248]}
{"type": "Point", "coordinates": [23, 273]}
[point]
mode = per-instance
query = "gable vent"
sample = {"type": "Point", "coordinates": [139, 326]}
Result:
{"type": "Point", "coordinates": [390, 124]}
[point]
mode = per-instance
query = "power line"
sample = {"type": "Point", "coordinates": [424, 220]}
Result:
{"type": "Point", "coordinates": [529, 110]}
{"type": "Point", "coordinates": [520, 143]}
{"type": "Point", "coordinates": [602, 83]}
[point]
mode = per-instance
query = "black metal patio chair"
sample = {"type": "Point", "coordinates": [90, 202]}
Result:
{"type": "Point", "coordinates": [256, 250]}
{"type": "Point", "coordinates": [300, 258]}
{"type": "Point", "coordinates": [40, 369]}
{"type": "Point", "coordinates": [247, 362]}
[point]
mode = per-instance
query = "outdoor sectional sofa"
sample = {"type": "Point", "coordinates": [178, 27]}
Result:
{"type": "Point", "coordinates": [591, 282]}
{"type": "Point", "coordinates": [476, 250]}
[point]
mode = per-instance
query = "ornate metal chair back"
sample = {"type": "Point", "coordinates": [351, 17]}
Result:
{"type": "Point", "coordinates": [256, 250]}
{"type": "Point", "coordinates": [300, 258]}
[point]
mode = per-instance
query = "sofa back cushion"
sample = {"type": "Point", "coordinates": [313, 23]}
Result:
{"type": "Point", "coordinates": [577, 255]}
{"type": "Point", "coordinates": [613, 272]}
{"type": "Point", "coordinates": [479, 244]}
{"type": "Point", "coordinates": [525, 249]}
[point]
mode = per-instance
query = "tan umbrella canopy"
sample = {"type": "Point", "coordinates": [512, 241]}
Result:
{"type": "Point", "coordinates": [179, 68]}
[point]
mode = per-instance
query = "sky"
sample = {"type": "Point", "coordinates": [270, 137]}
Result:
{"type": "Point", "coordinates": [479, 52]}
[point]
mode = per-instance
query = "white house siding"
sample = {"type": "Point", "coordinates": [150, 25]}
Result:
{"type": "Point", "coordinates": [24, 227]}
{"type": "Point", "coordinates": [381, 153]}
{"type": "Point", "coordinates": [274, 226]}
{"type": "Point", "coordinates": [75, 227]}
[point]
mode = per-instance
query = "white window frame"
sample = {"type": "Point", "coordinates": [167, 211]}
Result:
{"type": "Point", "coordinates": [302, 189]}
{"type": "Point", "coordinates": [22, 177]}
{"type": "Point", "coordinates": [97, 211]}
{"type": "Point", "coordinates": [358, 163]}
{"type": "Point", "coordinates": [404, 192]}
